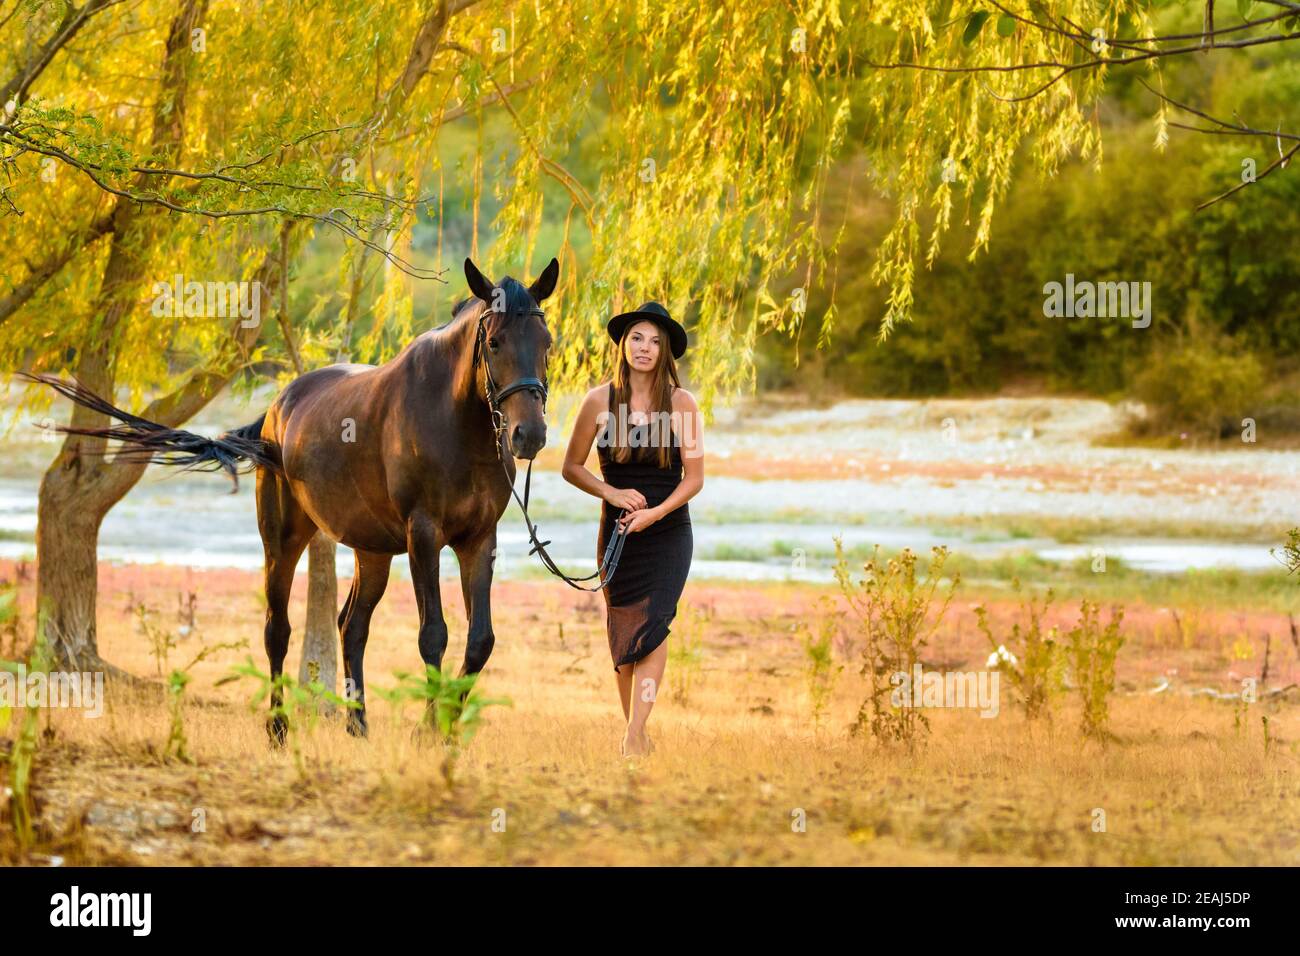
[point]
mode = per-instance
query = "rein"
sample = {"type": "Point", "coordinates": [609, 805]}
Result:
{"type": "Point", "coordinates": [495, 396]}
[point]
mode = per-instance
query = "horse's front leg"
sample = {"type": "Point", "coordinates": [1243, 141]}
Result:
{"type": "Point", "coordinates": [424, 541]}
{"type": "Point", "coordinates": [476, 563]}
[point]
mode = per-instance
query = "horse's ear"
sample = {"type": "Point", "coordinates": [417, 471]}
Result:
{"type": "Point", "coordinates": [545, 284]}
{"type": "Point", "coordinates": [478, 283]}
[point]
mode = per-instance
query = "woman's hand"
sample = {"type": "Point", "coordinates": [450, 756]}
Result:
{"type": "Point", "coordinates": [641, 519]}
{"type": "Point", "coordinates": [628, 499]}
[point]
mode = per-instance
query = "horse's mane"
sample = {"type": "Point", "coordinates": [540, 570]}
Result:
{"type": "Point", "coordinates": [518, 299]}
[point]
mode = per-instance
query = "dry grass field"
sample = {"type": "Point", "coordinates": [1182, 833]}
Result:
{"type": "Point", "coordinates": [742, 773]}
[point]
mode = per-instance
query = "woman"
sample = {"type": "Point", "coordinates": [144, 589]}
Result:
{"type": "Point", "coordinates": [650, 434]}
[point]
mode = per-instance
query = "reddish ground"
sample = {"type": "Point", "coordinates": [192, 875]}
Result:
{"type": "Point", "coordinates": [1192, 647]}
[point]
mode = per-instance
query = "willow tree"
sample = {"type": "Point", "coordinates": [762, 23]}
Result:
{"type": "Point", "coordinates": [119, 177]}
{"type": "Point", "coordinates": [210, 140]}
{"type": "Point", "coordinates": [958, 88]}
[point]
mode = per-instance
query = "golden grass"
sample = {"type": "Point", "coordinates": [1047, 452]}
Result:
{"type": "Point", "coordinates": [734, 771]}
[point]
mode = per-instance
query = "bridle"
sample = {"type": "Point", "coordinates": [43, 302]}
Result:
{"type": "Point", "coordinates": [497, 395]}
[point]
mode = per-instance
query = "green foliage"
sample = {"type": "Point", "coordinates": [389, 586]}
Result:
{"type": "Point", "coordinates": [1291, 551]}
{"type": "Point", "coordinates": [177, 745]}
{"type": "Point", "coordinates": [22, 756]}
{"type": "Point", "coordinates": [94, 113]}
{"type": "Point", "coordinates": [977, 323]}
{"type": "Point", "coordinates": [294, 706]}
{"type": "Point", "coordinates": [1036, 671]}
{"type": "Point", "coordinates": [897, 613]}
{"type": "Point", "coordinates": [1093, 649]}
{"type": "Point", "coordinates": [974, 24]}
{"type": "Point", "coordinates": [979, 326]}
{"type": "Point", "coordinates": [820, 668]}
{"type": "Point", "coordinates": [1239, 708]}
{"type": "Point", "coordinates": [686, 652]}
{"type": "Point", "coordinates": [161, 640]}
{"type": "Point", "coordinates": [1201, 386]}
{"type": "Point", "coordinates": [452, 705]}
{"type": "Point", "coordinates": [662, 153]}
{"type": "Point", "coordinates": [618, 149]}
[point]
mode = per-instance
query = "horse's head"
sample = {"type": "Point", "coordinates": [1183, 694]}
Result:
{"type": "Point", "coordinates": [516, 340]}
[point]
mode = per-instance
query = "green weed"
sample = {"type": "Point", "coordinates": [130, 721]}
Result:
{"type": "Point", "coordinates": [1029, 656]}
{"type": "Point", "coordinates": [452, 705]}
{"type": "Point", "coordinates": [1093, 649]}
{"type": "Point", "coordinates": [686, 653]}
{"type": "Point", "coordinates": [295, 706]}
{"type": "Point", "coordinates": [897, 613]}
{"type": "Point", "coordinates": [819, 658]}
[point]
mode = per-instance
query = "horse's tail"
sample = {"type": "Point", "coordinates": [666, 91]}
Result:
{"type": "Point", "coordinates": [233, 452]}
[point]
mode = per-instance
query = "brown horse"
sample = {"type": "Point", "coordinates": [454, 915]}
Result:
{"type": "Point", "coordinates": [406, 457]}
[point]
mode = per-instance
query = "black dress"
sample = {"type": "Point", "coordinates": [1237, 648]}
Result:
{"type": "Point", "coordinates": [641, 600]}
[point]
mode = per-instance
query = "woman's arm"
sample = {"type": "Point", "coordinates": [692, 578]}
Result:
{"type": "Point", "coordinates": [690, 424]}
{"type": "Point", "coordinates": [575, 458]}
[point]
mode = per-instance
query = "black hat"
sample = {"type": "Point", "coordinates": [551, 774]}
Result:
{"type": "Point", "coordinates": [656, 313]}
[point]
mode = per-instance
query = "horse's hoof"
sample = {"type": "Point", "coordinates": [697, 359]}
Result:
{"type": "Point", "coordinates": [277, 729]}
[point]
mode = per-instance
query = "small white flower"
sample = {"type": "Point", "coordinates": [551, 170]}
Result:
{"type": "Point", "coordinates": [1000, 655]}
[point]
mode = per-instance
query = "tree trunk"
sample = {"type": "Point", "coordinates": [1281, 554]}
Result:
{"type": "Point", "coordinates": [321, 637]}
{"type": "Point", "coordinates": [80, 487]}
{"type": "Point", "coordinates": [67, 535]}
{"type": "Point", "coordinates": [77, 491]}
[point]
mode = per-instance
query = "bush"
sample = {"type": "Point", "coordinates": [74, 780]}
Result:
{"type": "Point", "coordinates": [1204, 386]}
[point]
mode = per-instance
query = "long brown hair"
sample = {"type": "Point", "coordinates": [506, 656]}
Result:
{"type": "Point", "coordinates": [661, 392]}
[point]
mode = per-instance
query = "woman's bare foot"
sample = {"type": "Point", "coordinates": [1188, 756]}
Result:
{"type": "Point", "coordinates": [635, 746]}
